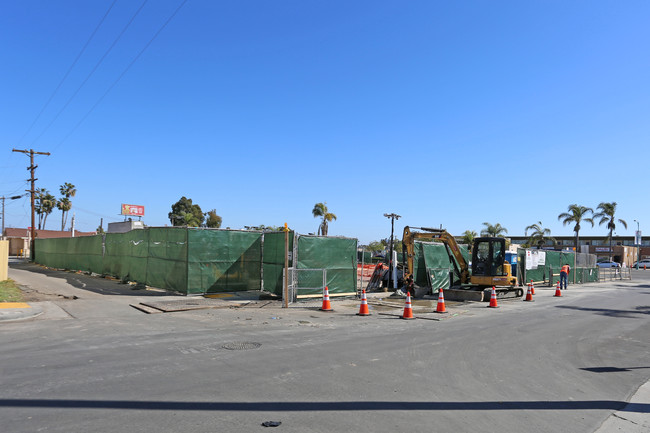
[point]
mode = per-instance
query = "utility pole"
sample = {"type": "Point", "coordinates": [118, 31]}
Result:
{"type": "Point", "coordinates": [392, 217]}
{"type": "Point", "coordinates": [32, 179]}
{"type": "Point", "coordinates": [637, 238]}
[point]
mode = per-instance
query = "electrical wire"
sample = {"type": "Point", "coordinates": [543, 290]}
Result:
{"type": "Point", "coordinates": [74, 62]}
{"type": "Point", "coordinates": [119, 36]}
{"type": "Point", "coordinates": [122, 74]}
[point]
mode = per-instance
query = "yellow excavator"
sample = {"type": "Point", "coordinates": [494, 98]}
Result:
{"type": "Point", "coordinates": [489, 267]}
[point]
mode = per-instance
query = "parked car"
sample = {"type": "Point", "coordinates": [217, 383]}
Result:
{"type": "Point", "coordinates": [642, 263]}
{"type": "Point", "coordinates": [608, 264]}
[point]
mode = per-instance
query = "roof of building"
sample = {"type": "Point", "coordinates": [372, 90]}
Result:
{"type": "Point", "coordinates": [44, 234]}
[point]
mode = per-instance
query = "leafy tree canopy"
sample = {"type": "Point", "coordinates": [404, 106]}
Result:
{"type": "Point", "coordinates": [213, 221]}
{"type": "Point", "coordinates": [184, 213]}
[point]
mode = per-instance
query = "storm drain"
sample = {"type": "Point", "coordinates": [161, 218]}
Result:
{"type": "Point", "coordinates": [241, 345]}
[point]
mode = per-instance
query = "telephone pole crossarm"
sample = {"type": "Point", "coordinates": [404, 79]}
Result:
{"type": "Point", "coordinates": [32, 167]}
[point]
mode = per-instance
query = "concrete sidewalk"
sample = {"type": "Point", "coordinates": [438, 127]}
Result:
{"type": "Point", "coordinates": [628, 419]}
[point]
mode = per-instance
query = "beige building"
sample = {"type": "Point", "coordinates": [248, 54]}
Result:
{"type": "Point", "coordinates": [19, 238]}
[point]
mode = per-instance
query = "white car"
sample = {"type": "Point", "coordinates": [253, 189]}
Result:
{"type": "Point", "coordinates": [642, 263]}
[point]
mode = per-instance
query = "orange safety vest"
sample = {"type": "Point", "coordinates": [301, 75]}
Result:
{"type": "Point", "coordinates": [565, 269]}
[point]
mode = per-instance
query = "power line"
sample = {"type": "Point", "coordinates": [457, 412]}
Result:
{"type": "Point", "coordinates": [74, 62]}
{"type": "Point", "coordinates": [122, 74]}
{"type": "Point", "coordinates": [91, 72]}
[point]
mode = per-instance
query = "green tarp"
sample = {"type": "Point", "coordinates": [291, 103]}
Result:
{"type": "Point", "coordinates": [273, 253]}
{"type": "Point", "coordinates": [549, 270]}
{"type": "Point", "coordinates": [224, 261]}
{"type": "Point", "coordinates": [200, 261]}
{"type": "Point", "coordinates": [337, 255]}
{"type": "Point", "coordinates": [432, 265]}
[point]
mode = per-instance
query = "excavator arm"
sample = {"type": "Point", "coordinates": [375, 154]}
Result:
{"type": "Point", "coordinates": [408, 246]}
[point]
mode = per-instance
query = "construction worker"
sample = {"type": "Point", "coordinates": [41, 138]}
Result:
{"type": "Point", "coordinates": [410, 288]}
{"type": "Point", "coordinates": [564, 276]}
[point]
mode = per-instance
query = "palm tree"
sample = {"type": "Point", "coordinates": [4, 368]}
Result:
{"type": "Point", "coordinates": [64, 205]}
{"type": "Point", "coordinates": [495, 231]}
{"type": "Point", "coordinates": [48, 203]}
{"type": "Point", "coordinates": [320, 210]}
{"type": "Point", "coordinates": [468, 238]}
{"type": "Point", "coordinates": [539, 235]}
{"type": "Point", "coordinates": [38, 205]}
{"type": "Point", "coordinates": [576, 214]}
{"type": "Point", "coordinates": [606, 213]}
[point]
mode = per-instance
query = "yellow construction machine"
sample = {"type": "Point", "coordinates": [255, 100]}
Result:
{"type": "Point", "coordinates": [488, 267]}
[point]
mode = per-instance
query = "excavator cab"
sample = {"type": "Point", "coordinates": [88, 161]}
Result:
{"type": "Point", "coordinates": [489, 267]}
{"type": "Point", "coordinates": [488, 255]}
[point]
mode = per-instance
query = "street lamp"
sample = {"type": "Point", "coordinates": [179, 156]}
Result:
{"type": "Point", "coordinates": [637, 239]}
{"type": "Point", "coordinates": [392, 217]}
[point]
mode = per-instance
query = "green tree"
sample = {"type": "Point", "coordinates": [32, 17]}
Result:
{"type": "Point", "coordinates": [607, 214]}
{"type": "Point", "coordinates": [468, 237]}
{"type": "Point", "coordinates": [64, 204]}
{"type": "Point", "coordinates": [575, 215]}
{"type": "Point", "coordinates": [376, 246]}
{"type": "Point", "coordinates": [539, 236]}
{"type": "Point", "coordinates": [44, 204]}
{"type": "Point", "coordinates": [320, 210]}
{"type": "Point", "coordinates": [495, 231]}
{"type": "Point", "coordinates": [185, 213]}
{"type": "Point", "coordinates": [213, 221]}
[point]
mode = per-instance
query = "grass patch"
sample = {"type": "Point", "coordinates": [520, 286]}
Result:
{"type": "Point", "coordinates": [9, 291]}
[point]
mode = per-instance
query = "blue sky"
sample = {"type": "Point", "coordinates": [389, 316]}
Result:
{"type": "Point", "coordinates": [447, 113]}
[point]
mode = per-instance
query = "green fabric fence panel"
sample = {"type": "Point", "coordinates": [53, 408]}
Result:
{"type": "Point", "coordinates": [79, 254]}
{"type": "Point", "coordinates": [87, 254]}
{"type": "Point", "coordinates": [273, 252]}
{"type": "Point", "coordinates": [126, 255]}
{"type": "Point", "coordinates": [224, 261]}
{"type": "Point", "coordinates": [432, 260]}
{"type": "Point", "coordinates": [437, 264]}
{"type": "Point", "coordinates": [167, 264]}
{"type": "Point", "coordinates": [543, 266]}
{"type": "Point", "coordinates": [337, 255]}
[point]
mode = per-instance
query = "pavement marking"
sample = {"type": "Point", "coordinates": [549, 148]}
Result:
{"type": "Point", "coordinates": [5, 305]}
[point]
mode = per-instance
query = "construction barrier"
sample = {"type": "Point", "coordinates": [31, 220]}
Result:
{"type": "Point", "coordinates": [203, 261]}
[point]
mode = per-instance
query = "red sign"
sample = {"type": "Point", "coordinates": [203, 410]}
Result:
{"type": "Point", "coordinates": [132, 209]}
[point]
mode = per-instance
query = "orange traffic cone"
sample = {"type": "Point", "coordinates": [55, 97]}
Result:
{"type": "Point", "coordinates": [440, 308]}
{"type": "Point", "coordinates": [363, 309]}
{"type": "Point", "coordinates": [529, 294]}
{"type": "Point", "coordinates": [408, 311]}
{"type": "Point", "coordinates": [557, 290]}
{"type": "Point", "coordinates": [493, 298]}
{"type": "Point", "coordinates": [532, 288]}
{"type": "Point", "coordinates": [326, 300]}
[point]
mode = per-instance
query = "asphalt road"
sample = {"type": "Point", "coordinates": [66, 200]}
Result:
{"type": "Point", "coordinates": [94, 364]}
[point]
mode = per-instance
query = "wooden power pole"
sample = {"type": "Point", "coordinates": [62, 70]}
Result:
{"type": "Point", "coordinates": [32, 179]}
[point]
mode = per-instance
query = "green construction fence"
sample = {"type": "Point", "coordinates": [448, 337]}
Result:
{"type": "Point", "coordinates": [335, 254]}
{"type": "Point", "coordinates": [583, 267]}
{"type": "Point", "coordinates": [432, 265]}
{"type": "Point", "coordinates": [201, 261]}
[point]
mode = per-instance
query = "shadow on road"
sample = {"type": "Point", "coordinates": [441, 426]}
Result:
{"type": "Point", "coordinates": [325, 406]}
{"type": "Point", "coordinates": [628, 314]}
{"type": "Point", "coordinates": [610, 369]}
{"type": "Point", "coordinates": [95, 284]}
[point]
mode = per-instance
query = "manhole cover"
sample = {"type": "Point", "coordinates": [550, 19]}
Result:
{"type": "Point", "coordinates": [241, 345]}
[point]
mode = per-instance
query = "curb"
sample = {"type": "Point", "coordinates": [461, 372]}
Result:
{"type": "Point", "coordinates": [11, 313]}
